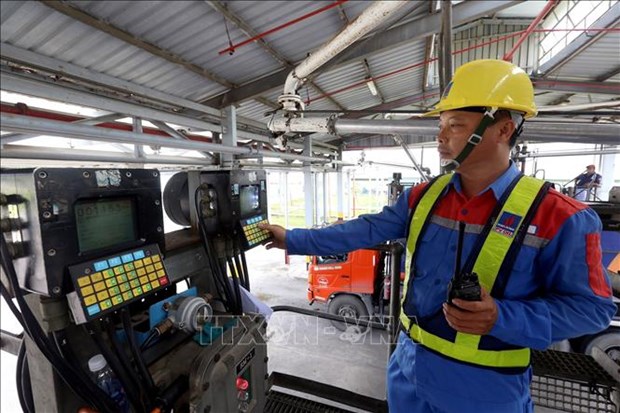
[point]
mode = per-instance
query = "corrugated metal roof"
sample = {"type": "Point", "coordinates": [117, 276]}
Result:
{"type": "Point", "coordinates": [195, 32]}
{"type": "Point", "coordinates": [595, 61]}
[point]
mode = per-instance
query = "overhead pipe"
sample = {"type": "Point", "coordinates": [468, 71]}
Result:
{"type": "Point", "coordinates": [26, 124]}
{"type": "Point", "coordinates": [60, 154]}
{"type": "Point", "coordinates": [370, 18]}
{"type": "Point", "coordinates": [550, 4]}
{"type": "Point", "coordinates": [428, 127]}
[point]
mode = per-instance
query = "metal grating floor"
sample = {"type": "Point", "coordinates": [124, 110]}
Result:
{"type": "Point", "coordinates": [285, 403]}
{"type": "Point", "coordinates": [571, 382]}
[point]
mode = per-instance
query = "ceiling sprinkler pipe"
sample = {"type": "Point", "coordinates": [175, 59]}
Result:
{"type": "Point", "coordinates": [370, 18]}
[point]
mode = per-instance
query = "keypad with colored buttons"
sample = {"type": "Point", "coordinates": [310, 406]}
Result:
{"type": "Point", "coordinates": [109, 283]}
{"type": "Point", "coordinates": [253, 234]}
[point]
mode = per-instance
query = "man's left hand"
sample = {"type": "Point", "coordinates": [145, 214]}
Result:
{"type": "Point", "coordinates": [473, 317]}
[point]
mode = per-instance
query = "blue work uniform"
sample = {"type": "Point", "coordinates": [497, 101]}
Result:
{"type": "Point", "coordinates": [556, 290]}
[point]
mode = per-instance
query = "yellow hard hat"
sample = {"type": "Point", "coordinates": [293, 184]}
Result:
{"type": "Point", "coordinates": [488, 83]}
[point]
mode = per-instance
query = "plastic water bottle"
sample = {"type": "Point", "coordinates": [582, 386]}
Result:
{"type": "Point", "coordinates": [107, 381]}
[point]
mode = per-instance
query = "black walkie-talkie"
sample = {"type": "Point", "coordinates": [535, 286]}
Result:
{"type": "Point", "coordinates": [464, 285]}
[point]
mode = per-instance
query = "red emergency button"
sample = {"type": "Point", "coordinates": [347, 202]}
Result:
{"type": "Point", "coordinates": [242, 384]}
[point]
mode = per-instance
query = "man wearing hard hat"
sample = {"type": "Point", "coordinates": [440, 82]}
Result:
{"type": "Point", "coordinates": [530, 272]}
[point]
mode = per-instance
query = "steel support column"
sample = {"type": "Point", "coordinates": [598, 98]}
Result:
{"type": "Point", "coordinates": [229, 134]}
{"type": "Point", "coordinates": [308, 185]}
{"type": "Point", "coordinates": [445, 45]}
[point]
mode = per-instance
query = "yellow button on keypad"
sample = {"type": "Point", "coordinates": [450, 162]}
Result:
{"type": "Point", "coordinates": [87, 291]}
{"type": "Point", "coordinates": [83, 281]}
{"type": "Point", "coordinates": [90, 300]}
{"type": "Point", "coordinates": [161, 273]}
{"type": "Point", "coordinates": [111, 282]}
{"type": "Point", "coordinates": [117, 300]}
{"type": "Point", "coordinates": [127, 295]}
{"type": "Point", "coordinates": [147, 260]}
{"type": "Point", "coordinates": [131, 275]}
{"type": "Point", "coordinates": [141, 271]}
{"type": "Point", "coordinates": [96, 277]}
{"type": "Point", "coordinates": [129, 267]}
{"type": "Point", "coordinates": [137, 291]}
{"type": "Point", "coordinates": [122, 278]}
{"type": "Point", "coordinates": [134, 283]}
{"type": "Point", "coordinates": [106, 304]}
{"type": "Point", "coordinates": [138, 263]}
{"type": "Point", "coordinates": [144, 280]}
{"type": "Point", "coordinates": [152, 276]}
{"type": "Point", "coordinates": [147, 287]}
{"type": "Point", "coordinates": [155, 284]}
{"type": "Point", "coordinates": [155, 258]}
{"type": "Point", "coordinates": [158, 266]}
{"type": "Point", "coordinates": [150, 268]}
{"type": "Point", "coordinates": [114, 291]}
{"type": "Point", "coordinates": [119, 270]}
{"type": "Point", "coordinates": [124, 287]}
{"type": "Point", "coordinates": [108, 273]}
{"type": "Point", "coordinates": [102, 295]}
{"type": "Point", "coordinates": [100, 286]}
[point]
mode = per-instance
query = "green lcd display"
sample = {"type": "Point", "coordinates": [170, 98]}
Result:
{"type": "Point", "coordinates": [102, 223]}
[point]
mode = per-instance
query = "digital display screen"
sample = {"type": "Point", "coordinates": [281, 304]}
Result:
{"type": "Point", "coordinates": [249, 200]}
{"type": "Point", "coordinates": [105, 222]}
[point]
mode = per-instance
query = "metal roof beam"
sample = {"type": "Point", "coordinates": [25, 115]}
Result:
{"type": "Point", "coordinates": [556, 85]}
{"type": "Point", "coordinates": [127, 37]}
{"type": "Point", "coordinates": [242, 25]}
{"type": "Point", "coordinates": [610, 18]}
{"type": "Point", "coordinates": [462, 13]}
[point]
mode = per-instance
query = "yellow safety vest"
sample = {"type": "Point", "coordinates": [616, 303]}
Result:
{"type": "Point", "coordinates": [465, 347]}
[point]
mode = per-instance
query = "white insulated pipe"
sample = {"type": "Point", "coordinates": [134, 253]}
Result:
{"type": "Point", "coordinates": [370, 18]}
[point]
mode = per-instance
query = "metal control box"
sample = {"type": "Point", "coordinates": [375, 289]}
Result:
{"type": "Point", "coordinates": [60, 217]}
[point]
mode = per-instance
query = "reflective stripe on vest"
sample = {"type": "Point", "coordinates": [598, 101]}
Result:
{"type": "Point", "coordinates": [487, 266]}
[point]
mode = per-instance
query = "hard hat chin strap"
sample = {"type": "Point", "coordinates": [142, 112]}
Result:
{"type": "Point", "coordinates": [475, 138]}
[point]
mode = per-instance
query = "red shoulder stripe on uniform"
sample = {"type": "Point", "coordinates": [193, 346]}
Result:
{"type": "Point", "coordinates": [553, 211]}
{"type": "Point", "coordinates": [416, 191]}
{"type": "Point", "coordinates": [594, 259]}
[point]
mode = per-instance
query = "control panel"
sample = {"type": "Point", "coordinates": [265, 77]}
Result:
{"type": "Point", "coordinates": [222, 203]}
{"type": "Point", "coordinates": [60, 217]}
{"type": "Point", "coordinates": [253, 235]}
{"type": "Point", "coordinates": [108, 283]}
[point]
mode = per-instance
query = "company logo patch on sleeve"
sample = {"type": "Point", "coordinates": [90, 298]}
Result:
{"type": "Point", "coordinates": [594, 259]}
{"type": "Point", "coordinates": [507, 224]}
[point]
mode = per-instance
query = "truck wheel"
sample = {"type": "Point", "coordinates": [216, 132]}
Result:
{"type": "Point", "coordinates": [609, 343]}
{"type": "Point", "coordinates": [347, 306]}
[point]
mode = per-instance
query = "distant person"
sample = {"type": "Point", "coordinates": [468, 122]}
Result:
{"type": "Point", "coordinates": [587, 183]}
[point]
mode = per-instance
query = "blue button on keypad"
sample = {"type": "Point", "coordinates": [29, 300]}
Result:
{"type": "Point", "coordinates": [127, 258]}
{"type": "Point", "coordinates": [138, 255]}
{"type": "Point", "coordinates": [116, 261]}
{"type": "Point", "coordinates": [100, 265]}
{"type": "Point", "coordinates": [93, 309]}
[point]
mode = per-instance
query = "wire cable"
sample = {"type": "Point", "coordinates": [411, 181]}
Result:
{"type": "Point", "coordinates": [132, 384]}
{"type": "Point", "coordinates": [137, 355]}
{"type": "Point", "coordinates": [235, 279]}
{"type": "Point", "coordinates": [22, 378]}
{"type": "Point", "coordinates": [77, 381]}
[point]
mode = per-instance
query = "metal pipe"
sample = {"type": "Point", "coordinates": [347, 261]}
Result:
{"type": "Point", "coordinates": [445, 50]}
{"type": "Point", "coordinates": [25, 124]}
{"type": "Point", "coordinates": [402, 143]}
{"type": "Point", "coordinates": [550, 4]}
{"type": "Point", "coordinates": [61, 154]}
{"type": "Point", "coordinates": [573, 153]}
{"type": "Point", "coordinates": [427, 127]}
{"type": "Point", "coordinates": [370, 18]}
